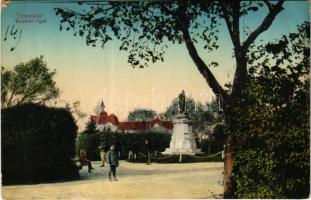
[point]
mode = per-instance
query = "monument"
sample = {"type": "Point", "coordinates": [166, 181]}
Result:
{"type": "Point", "coordinates": [182, 141]}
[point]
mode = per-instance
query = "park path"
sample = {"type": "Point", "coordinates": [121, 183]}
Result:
{"type": "Point", "coordinates": [136, 181]}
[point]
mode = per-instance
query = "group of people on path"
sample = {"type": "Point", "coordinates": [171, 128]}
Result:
{"type": "Point", "coordinates": [110, 157]}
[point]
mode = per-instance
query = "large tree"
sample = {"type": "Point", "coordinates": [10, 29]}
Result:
{"type": "Point", "coordinates": [146, 27]}
{"type": "Point", "coordinates": [28, 82]}
{"type": "Point", "coordinates": [273, 151]}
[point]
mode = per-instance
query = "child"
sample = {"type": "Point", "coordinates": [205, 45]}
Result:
{"type": "Point", "coordinates": [102, 154]}
{"type": "Point", "coordinates": [113, 161]}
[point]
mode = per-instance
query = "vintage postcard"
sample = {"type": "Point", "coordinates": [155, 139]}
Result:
{"type": "Point", "coordinates": [149, 99]}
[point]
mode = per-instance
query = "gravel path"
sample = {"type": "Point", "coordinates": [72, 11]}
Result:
{"type": "Point", "coordinates": [136, 181]}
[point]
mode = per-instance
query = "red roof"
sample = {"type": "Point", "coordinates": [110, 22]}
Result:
{"type": "Point", "coordinates": [144, 125]}
{"type": "Point", "coordinates": [103, 118]}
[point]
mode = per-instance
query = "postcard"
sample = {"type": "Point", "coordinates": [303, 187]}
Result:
{"type": "Point", "coordinates": [155, 99]}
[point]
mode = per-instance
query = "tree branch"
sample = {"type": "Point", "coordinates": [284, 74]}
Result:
{"type": "Point", "coordinates": [10, 99]}
{"type": "Point", "coordinates": [264, 25]}
{"type": "Point", "coordinates": [72, 12]}
{"type": "Point", "coordinates": [23, 99]}
{"type": "Point", "coordinates": [203, 69]}
{"type": "Point", "coordinates": [269, 5]}
{"type": "Point", "coordinates": [97, 10]}
{"type": "Point", "coordinates": [227, 19]}
{"type": "Point", "coordinates": [234, 24]}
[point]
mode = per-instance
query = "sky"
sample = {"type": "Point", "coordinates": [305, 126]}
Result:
{"type": "Point", "coordinates": [89, 74]}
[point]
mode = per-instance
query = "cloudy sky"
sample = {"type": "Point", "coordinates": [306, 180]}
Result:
{"type": "Point", "coordinates": [91, 74]}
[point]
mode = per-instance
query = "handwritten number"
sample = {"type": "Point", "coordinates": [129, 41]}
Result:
{"type": "Point", "coordinates": [14, 34]}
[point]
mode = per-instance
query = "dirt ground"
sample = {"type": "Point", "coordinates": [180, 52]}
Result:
{"type": "Point", "coordinates": [136, 181]}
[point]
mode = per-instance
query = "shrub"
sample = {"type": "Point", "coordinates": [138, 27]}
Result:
{"type": "Point", "coordinates": [216, 141]}
{"type": "Point", "coordinates": [272, 156]}
{"type": "Point", "coordinates": [38, 143]}
{"type": "Point", "coordinates": [204, 145]}
{"type": "Point", "coordinates": [220, 137]}
{"type": "Point", "coordinates": [125, 142]}
{"type": "Point", "coordinates": [276, 167]}
{"type": "Point", "coordinates": [90, 143]}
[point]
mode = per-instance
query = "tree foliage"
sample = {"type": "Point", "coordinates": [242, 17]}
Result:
{"type": "Point", "coordinates": [202, 115]}
{"type": "Point", "coordinates": [90, 127]}
{"type": "Point", "coordinates": [273, 155]}
{"type": "Point", "coordinates": [219, 134]}
{"type": "Point", "coordinates": [75, 109]}
{"type": "Point", "coordinates": [141, 114]}
{"type": "Point", "coordinates": [146, 27]}
{"type": "Point", "coordinates": [28, 82]}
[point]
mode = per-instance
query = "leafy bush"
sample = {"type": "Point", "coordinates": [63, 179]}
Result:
{"type": "Point", "coordinates": [220, 136]}
{"type": "Point", "coordinates": [273, 152]}
{"type": "Point", "coordinates": [38, 143]}
{"type": "Point", "coordinates": [125, 142]}
{"type": "Point", "coordinates": [204, 145]}
{"type": "Point", "coordinates": [89, 143]}
{"type": "Point", "coordinates": [216, 141]}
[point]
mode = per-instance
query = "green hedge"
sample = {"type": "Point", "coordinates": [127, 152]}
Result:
{"type": "Point", "coordinates": [210, 147]}
{"type": "Point", "coordinates": [90, 143]}
{"type": "Point", "coordinates": [125, 142]}
{"type": "Point", "coordinates": [38, 143]}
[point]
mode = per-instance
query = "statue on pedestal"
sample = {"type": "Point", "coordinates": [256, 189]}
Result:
{"type": "Point", "coordinates": [182, 140]}
{"type": "Point", "coordinates": [182, 102]}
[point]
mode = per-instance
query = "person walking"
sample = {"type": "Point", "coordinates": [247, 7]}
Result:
{"type": "Point", "coordinates": [117, 145]}
{"type": "Point", "coordinates": [113, 161]}
{"type": "Point", "coordinates": [102, 154]}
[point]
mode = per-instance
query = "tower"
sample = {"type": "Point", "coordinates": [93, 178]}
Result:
{"type": "Point", "coordinates": [101, 107]}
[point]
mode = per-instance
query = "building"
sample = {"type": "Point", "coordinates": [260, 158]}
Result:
{"type": "Point", "coordinates": [111, 122]}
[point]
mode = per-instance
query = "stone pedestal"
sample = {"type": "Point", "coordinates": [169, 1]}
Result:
{"type": "Point", "coordinates": [182, 141]}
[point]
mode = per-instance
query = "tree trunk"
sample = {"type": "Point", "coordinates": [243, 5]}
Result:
{"type": "Point", "coordinates": [240, 76]}
{"type": "Point", "coordinates": [230, 102]}
{"type": "Point", "coordinates": [228, 167]}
